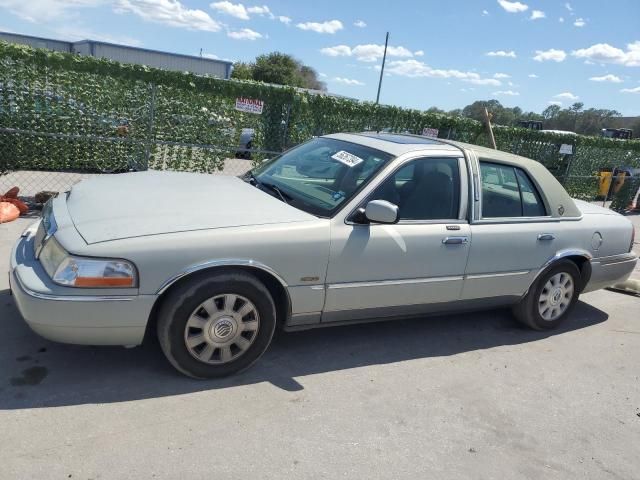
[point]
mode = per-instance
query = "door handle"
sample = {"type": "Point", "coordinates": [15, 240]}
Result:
{"type": "Point", "coordinates": [546, 237]}
{"type": "Point", "coordinates": [455, 240]}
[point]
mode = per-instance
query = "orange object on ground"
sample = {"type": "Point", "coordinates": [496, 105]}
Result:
{"type": "Point", "coordinates": [12, 197]}
{"type": "Point", "coordinates": [8, 212]}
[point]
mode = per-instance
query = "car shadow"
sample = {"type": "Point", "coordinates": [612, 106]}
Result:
{"type": "Point", "coordinates": [35, 373]}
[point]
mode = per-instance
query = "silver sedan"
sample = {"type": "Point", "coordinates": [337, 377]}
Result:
{"type": "Point", "coordinates": [344, 228]}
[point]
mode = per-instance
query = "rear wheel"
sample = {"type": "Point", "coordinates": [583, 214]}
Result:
{"type": "Point", "coordinates": [216, 326]}
{"type": "Point", "coordinates": [551, 298]}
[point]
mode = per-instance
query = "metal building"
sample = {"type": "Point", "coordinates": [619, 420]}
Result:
{"type": "Point", "coordinates": [127, 54]}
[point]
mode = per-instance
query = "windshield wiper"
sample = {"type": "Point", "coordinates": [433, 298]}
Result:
{"type": "Point", "coordinates": [253, 180]}
{"type": "Point", "coordinates": [273, 188]}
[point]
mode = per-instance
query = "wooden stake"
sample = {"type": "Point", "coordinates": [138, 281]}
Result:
{"type": "Point", "coordinates": [487, 119]}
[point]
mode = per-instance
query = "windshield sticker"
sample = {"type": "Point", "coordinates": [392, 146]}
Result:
{"type": "Point", "coordinates": [347, 158]}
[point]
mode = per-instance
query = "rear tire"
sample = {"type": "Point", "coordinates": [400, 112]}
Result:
{"type": "Point", "coordinates": [551, 298]}
{"type": "Point", "coordinates": [217, 325]}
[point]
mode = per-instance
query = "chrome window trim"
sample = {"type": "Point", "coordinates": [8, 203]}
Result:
{"type": "Point", "coordinates": [231, 262]}
{"type": "Point", "coordinates": [71, 298]}
{"type": "Point", "coordinates": [541, 194]}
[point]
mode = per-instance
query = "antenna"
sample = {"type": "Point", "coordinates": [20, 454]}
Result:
{"type": "Point", "coordinates": [384, 58]}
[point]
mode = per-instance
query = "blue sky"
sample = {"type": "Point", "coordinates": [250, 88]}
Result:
{"type": "Point", "coordinates": [444, 53]}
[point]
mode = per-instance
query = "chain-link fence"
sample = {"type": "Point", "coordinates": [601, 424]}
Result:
{"type": "Point", "coordinates": [64, 118]}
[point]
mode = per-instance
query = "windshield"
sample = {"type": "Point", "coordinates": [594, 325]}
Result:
{"type": "Point", "coordinates": [320, 175]}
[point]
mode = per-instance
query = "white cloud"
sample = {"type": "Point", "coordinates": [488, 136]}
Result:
{"type": "Point", "coordinates": [509, 93]}
{"type": "Point", "coordinates": [331, 26]}
{"type": "Point", "coordinates": [322, 75]}
{"type": "Point", "coordinates": [513, 7]}
{"type": "Point", "coordinates": [244, 34]}
{"type": "Point", "coordinates": [359, 24]}
{"type": "Point", "coordinates": [580, 22]}
{"type": "Point", "coordinates": [263, 10]}
{"type": "Point", "coordinates": [414, 68]}
{"type": "Point", "coordinates": [568, 6]}
{"type": "Point", "coordinates": [348, 81]}
{"type": "Point", "coordinates": [366, 53]}
{"type": "Point", "coordinates": [42, 10]}
{"type": "Point", "coordinates": [566, 96]}
{"type": "Point", "coordinates": [550, 55]}
{"type": "Point", "coordinates": [607, 78]}
{"type": "Point", "coordinates": [631, 90]}
{"type": "Point", "coordinates": [337, 51]}
{"type": "Point", "coordinates": [211, 56]}
{"type": "Point", "coordinates": [502, 53]}
{"type": "Point", "coordinates": [605, 53]}
{"type": "Point", "coordinates": [168, 12]}
{"type": "Point", "coordinates": [284, 19]}
{"type": "Point", "coordinates": [419, 53]}
{"type": "Point", "coordinates": [236, 10]}
{"type": "Point", "coordinates": [533, 75]}
{"type": "Point", "coordinates": [537, 14]}
{"type": "Point", "coordinates": [555, 102]}
{"type": "Point", "coordinates": [561, 19]}
{"type": "Point", "coordinates": [501, 75]}
{"type": "Point", "coordinates": [485, 13]}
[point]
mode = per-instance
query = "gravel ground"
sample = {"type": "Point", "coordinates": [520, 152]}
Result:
{"type": "Point", "coordinates": [456, 397]}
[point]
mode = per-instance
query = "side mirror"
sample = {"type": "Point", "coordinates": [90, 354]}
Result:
{"type": "Point", "coordinates": [381, 211]}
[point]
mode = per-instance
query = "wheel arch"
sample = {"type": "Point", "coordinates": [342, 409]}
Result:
{"type": "Point", "coordinates": [581, 258]}
{"type": "Point", "coordinates": [276, 285]}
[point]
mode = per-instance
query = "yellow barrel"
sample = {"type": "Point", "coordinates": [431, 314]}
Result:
{"type": "Point", "coordinates": [605, 183]}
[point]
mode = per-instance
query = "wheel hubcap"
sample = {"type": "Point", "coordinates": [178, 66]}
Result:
{"type": "Point", "coordinates": [556, 296]}
{"type": "Point", "coordinates": [221, 328]}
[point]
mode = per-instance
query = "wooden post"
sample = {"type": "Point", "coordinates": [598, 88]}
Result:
{"type": "Point", "coordinates": [487, 119]}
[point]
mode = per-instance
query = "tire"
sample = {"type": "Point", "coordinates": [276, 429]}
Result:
{"type": "Point", "coordinates": [201, 322]}
{"type": "Point", "coordinates": [551, 298]}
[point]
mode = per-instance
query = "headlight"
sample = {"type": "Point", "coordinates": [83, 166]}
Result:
{"type": "Point", "coordinates": [72, 271]}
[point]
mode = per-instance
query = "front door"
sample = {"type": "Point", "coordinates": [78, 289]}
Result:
{"type": "Point", "coordinates": [378, 270]}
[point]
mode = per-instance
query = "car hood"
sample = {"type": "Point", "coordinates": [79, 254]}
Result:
{"type": "Point", "coordinates": [113, 207]}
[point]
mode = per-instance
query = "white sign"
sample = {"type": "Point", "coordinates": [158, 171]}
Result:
{"type": "Point", "coordinates": [430, 132]}
{"type": "Point", "coordinates": [566, 149]}
{"type": "Point", "coordinates": [347, 158]}
{"type": "Point", "coordinates": [249, 105]}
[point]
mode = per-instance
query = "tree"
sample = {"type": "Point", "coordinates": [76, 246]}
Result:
{"type": "Point", "coordinates": [242, 71]}
{"type": "Point", "coordinates": [278, 68]}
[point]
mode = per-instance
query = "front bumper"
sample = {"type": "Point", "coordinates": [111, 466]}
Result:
{"type": "Point", "coordinates": [63, 314]}
{"type": "Point", "coordinates": [607, 271]}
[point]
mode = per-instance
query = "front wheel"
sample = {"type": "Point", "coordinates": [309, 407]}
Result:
{"type": "Point", "coordinates": [216, 325]}
{"type": "Point", "coordinates": [551, 298]}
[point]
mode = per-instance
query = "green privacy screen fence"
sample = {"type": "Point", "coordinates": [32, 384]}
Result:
{"type": "Point", "coordinates": [68, 113]}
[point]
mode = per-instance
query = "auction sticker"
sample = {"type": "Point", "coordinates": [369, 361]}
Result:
{"type": "Point", "coordinates": [347, 158]}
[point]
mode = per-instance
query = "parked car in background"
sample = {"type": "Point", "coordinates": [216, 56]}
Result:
{"type": "Point", "coordinates": [392, 226]}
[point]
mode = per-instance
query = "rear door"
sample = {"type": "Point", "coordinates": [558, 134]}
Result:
{"type": "Point", "coordinates": [512, 238]}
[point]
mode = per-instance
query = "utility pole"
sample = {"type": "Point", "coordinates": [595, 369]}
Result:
{"type": "Point", "coordinates": [384, 58]}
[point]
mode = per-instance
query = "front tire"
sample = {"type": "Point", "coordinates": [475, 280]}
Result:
{"type": "Point", "coordinates": [551, 298]}
{"type": "Point", "coordinates": [217, 325]}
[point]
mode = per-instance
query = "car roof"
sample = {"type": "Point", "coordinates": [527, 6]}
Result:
{"type": "Point", "coordinates": [394, 143]}
{"type": "Point", "coordinates": [398, 144]}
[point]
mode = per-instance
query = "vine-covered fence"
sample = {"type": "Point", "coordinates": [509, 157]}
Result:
{"type": "Point", "coordinates": [63, 116]}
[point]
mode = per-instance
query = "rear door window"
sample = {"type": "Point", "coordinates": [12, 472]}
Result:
{"type": "Point", "coordinates": [508, 192]}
